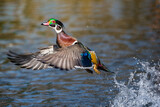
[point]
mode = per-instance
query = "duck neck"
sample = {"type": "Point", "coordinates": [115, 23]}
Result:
{"type": "Point", "coordinates": [64, 40]}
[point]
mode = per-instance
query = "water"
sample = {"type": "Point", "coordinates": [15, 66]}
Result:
{"type": "Point", "coordinates": [142, 93]}
{"type": "Point", "coordinates": [119, 31]}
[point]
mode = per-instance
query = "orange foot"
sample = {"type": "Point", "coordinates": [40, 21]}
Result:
{"type": "Point", "coordinates": [95, 69]}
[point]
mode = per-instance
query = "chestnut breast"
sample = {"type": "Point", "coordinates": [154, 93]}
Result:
{"type": "Point", "coordinates": [64, 40]}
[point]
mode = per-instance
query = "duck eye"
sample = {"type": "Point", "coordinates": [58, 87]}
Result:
{"type": "Point", "coordinates": [52, 25]}
{"type": "Point", "coordinates": [58, 27]}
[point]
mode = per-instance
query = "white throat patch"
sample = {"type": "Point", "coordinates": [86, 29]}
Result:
{"type": "Point", "coordinates": [57, 31]}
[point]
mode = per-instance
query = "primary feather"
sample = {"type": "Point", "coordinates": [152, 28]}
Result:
{"type": "Point", "coordinates": [66, 58]}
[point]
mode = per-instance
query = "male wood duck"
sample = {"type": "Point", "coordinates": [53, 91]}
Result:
{"type": "Point", "coordinates": [67, 54]}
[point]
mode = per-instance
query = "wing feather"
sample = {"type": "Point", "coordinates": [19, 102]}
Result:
{"type": "Point", "coordinates": [66, 58]}
{"type": "Point", "coordinates": [31, 60]}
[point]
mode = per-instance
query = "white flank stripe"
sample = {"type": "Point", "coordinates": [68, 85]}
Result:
{"type": "Point", "coordinates": [80, 67]}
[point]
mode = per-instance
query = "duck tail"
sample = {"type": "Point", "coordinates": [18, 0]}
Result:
{"type": "Point", "coordinates": [104, 68]}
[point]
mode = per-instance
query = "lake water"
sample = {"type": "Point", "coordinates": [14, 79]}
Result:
{"type": "Point", "coordinates": [124, 34]}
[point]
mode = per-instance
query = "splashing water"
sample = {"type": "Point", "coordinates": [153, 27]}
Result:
{"type": "Point", "coordinates": [142, 93]}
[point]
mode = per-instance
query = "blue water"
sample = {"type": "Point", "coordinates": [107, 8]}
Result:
{"type": "Point", "coordinates": [124, 34]}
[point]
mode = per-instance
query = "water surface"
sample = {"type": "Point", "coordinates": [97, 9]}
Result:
{"type": "Point", "coordinates": [118, 30]}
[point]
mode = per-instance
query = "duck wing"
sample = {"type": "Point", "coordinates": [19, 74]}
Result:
{"type": "Point", "coordinates": [67, 58]}
{"type": "Point", "coordinates": [74, 56]}
{"type": "Point", "coordinates": [31, 60]}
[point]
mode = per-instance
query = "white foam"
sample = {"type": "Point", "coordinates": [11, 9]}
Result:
{"type": "Point", "coordinates": [142, 93]}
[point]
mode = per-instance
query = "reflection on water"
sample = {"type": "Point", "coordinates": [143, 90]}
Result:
{"type": "Point", "coordinates": [117, 30]}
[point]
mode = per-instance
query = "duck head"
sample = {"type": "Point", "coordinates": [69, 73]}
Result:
{"type": "Point", "coordinates": [54, 24]}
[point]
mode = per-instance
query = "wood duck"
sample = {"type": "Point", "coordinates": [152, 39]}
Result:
{"type": "Point", "coordinates": [67, 54]}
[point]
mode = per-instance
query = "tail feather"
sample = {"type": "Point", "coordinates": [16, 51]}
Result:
{"type": "Point", "coordinates": [104, 68]}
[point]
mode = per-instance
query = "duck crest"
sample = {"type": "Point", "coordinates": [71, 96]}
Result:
{"type": "Point", "coordinates": [64, 40]}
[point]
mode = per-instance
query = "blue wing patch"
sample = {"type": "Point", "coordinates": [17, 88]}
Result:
{"type": "Point", "coordinates": [86, 59]}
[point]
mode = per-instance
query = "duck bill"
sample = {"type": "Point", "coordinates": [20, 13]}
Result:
{"type": "Point", "coordinates": [45, 23]}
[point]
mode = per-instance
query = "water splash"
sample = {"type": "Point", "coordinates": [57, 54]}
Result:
{"type": "Point", "coordinates": [142, 93]}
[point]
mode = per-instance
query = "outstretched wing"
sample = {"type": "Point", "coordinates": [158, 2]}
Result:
{"type": "Point", "coordinates": [31, 60]}
{"type": "Point", "coordinates": [75, 56]}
